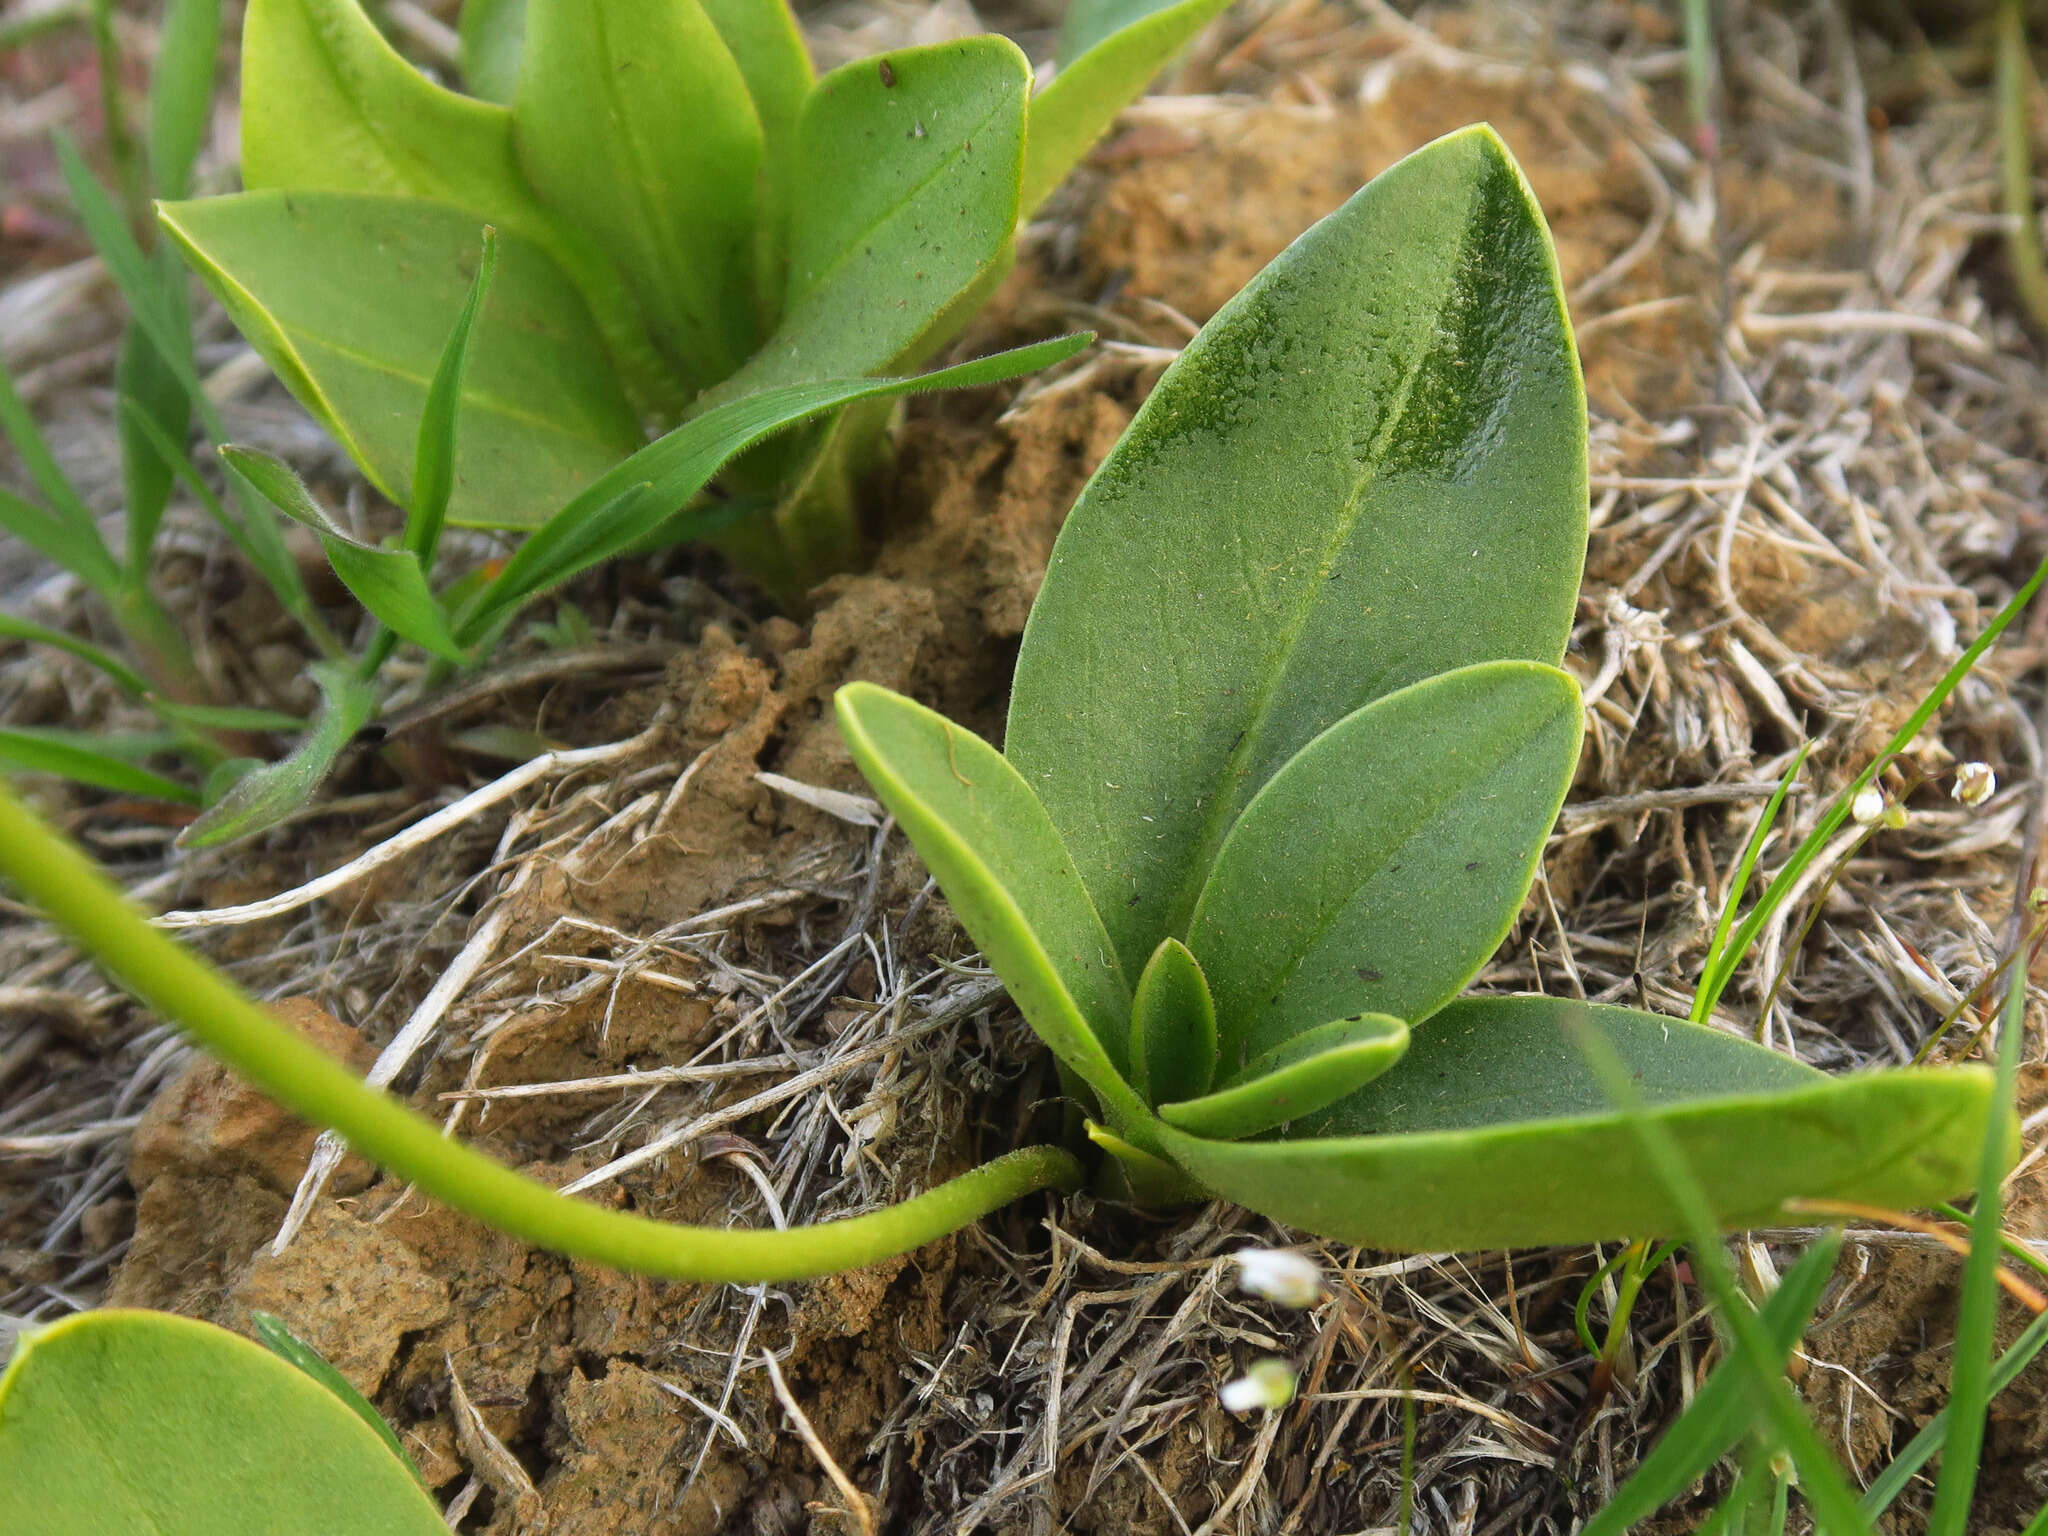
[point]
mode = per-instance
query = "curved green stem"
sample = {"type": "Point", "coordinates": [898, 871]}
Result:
{"type": "Point", "coordinates": [70, 888]}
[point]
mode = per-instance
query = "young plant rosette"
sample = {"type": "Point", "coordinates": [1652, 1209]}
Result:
{"type": "Point", "coordinates": [686, 215]}
{"type": "Point", "coordinates": [1287, 737]}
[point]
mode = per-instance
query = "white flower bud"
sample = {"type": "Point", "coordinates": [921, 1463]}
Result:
{"type": "Point", "coordinates": [1868, 805]}
{"type": "Point", "coordinates": [1975, 783]}
{"type": "Point", "coordinates": [1268, 1383]}
{"type": "Point", "coordinates": [1281, 1275]}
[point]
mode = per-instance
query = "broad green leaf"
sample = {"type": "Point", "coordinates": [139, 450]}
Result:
{"type": "Point", "coordinates": [1493, 1132]}
{"type": "Point", "coordinates": [1109, 53]}
{"type": "Point", "coordinates": [328, 105]}
{"type": "Point", "coordinates": [181, 92]}
{"type": "Point", "coordinates": [124, 677]}
{"type": "Point", "coordinates": [123, 1423]}
{"type": "Point", "coordinates": [764, 40]}
{"type": "Point", "coordinates": [350, 298]}
{"type": "Point", "coordinates": [1377, 870]}
{"type": "Point", "coordinates": [1173, 1027]}
{"type": "Point", "coordinates": [1719, 1413]}
{"type": "Point", "coordinates": [390, 583]}
{"type": "Point", "coordinates": [1369, 468]}
{"type": "Point", "coordinates": [634, 124]}
{"type": "Point", "coordinates": [491, 34]}
{"type": "Point", "coordinates": [1306, 1072]}
{"type": "Point", "coordinates": [904, 193]}
{"type": "Point", "coordinates": [648, 492]}
{"type": "Point", "coordinates": [296, 1352]}
{"type": "Point", "coordinates": [1011, 884]}
{"type": "Point", "coordinates": [34, 751]}
{"type": "Point", "coordinates": [263, 797]}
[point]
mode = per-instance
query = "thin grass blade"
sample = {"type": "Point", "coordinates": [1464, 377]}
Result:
{"type": "Point", "coordinates": [433, 476]}
{"type": "Point", "coordinates": [125, 677]}
{"type": "Point", "coordinates": [34, 752]}
{"type": "Point", "coordinates": [1738, 882]}
{"type": "Point", "coordinates": [289, 1347]}
{"type": "Point", "coordinates": [181, 93]}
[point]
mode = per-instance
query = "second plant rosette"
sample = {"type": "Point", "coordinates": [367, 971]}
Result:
{"type": "Point", "coordinates": [1287, 737]}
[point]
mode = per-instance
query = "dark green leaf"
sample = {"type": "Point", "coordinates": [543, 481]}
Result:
{"type": "Point", "coordinates": [1369, 468]}
{"type": "Point", "coordinates": [292, 1349]}
{"type": "Point", "coordinates": [181, 92]}
{"type": "Point", "coordinates": [350, 299]}
{"type": "Point", "coordinates": [264, 796]}
{"type": "Point", "coordinates": [634, 124]}
{"type": "Point", "coordinates": [1009, 881]}
{"type": "Point", "coordinates": [125, 1423]}
{"type": "Point", "coordinates": [1378, 869]}
{"type": "Point", "coordinates": [1493, 1132]}
{"type": "Point", "coordinates": [1173, 1027]}
{"type": "Point", "coordinates": [433, 475]}
{"type": "Point", "coordinates": [146, 387]}
{"type": "Point", "coordinates": [904, 194]}
{"type": "Point", "coordinates": [124, 676]}
{"type": "Point", "coordinates": [1305, 1072]}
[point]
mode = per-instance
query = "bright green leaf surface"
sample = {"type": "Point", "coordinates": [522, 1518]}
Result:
{"type": "Point", "coordinates": [1493, 1132]}
{"type": "Point", "coordinates": [1173, 1027]}
{"type": "Point", "coordinates": [328, 105]}
{"type": "Point", "coordinates": [634, 124]}
{"type": "Point", "coordinates": [1108, 54]}
{"type": "Point", "coordinates": [1377, 870]}
{"type": "Point", "coordinates": [1369, 468]}
{"type": "Point", "coordinates": [904, 193]}
{"type": "Point", "coordinates": [119, 1423]}
{"type": "Point", "coordinates": [1302, 1074]}
{"type": "Point", "coordinates": [491, 33]}
{"type": "Point", "coordinates": [350, 299]}
{"type": "Point", "coordinates": [263, 797]}
{"type": "Point", "coordinates": [1009, 881]}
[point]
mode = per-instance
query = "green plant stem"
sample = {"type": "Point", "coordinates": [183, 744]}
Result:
{"type": "Point", "coordinates": [2016, 165]}
{"type": "Point", "coordinates": [51, 872]}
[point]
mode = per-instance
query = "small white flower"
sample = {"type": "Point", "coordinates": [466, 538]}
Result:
{"type": "Point", "coordinates": [1267, 1383]}
{"type": "Point", "coordinates": [1280, 1274]}
{"type": "Point", "coordinates": [1868, 805]}
{"type": "Point", "coordinates": [1975, 783]}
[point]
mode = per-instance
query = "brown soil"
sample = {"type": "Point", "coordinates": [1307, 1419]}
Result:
{"type": "Point", "coordinates": [927, 1377]}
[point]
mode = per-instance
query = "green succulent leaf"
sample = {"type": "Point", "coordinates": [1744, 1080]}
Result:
{"type": "Point", "coordinates": [329, 106]}
{"type": "Point", "coordinates": [491, 35]}
{"type": "Point", "coordinates": [1378, 869]}
{"type": "Point", "coordinates": [1302, 1074]}
{"type": "Point", "coordinates": [265, 796]}
{"type": "Point", "coordinates": [1009, 880]}
{"type": "Point", "coordinates": [764, 40]}
{"type": "Point", "coordinates": [350, 299]}
{"type": "Point", "coordinates": [390, 583]}
{"type": "Point", "coordinates": [1493, 1132]}
{"type": "Point", "coordinates": [903, 194]}
{"type": "Point", "coordinates": [1384, 438]}
{"type": "Point", "coordinates": [1173, 1027]}
{"type": "Point", "coordinates": [129, 1423]}
{"type": "Point", "coordinates": [634, 123]}
{"type": "Point", "coordinates": [1109, 53]}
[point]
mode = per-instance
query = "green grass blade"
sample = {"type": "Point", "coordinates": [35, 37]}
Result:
{"type": "Point", "coordinates": [1720, 1412]}
{"type": "Point", "coordinates": [289, 1347]}
{"type": "Point", "coordinates": [217, 717]}
{"type": "Point", "coordinates": [181, 93]}
{"type": "Point", "coordinates": [147, 389]}
{"type": "Point", "coordinates": [264, 796]}
{"type": "Point", "coordinates": [67, 509]}
{"type": "Point", "coordinates": [125, 677]}
{"type": "Point", "coordinates": [34, 752]}
{"type": "Point", "coordinates": [1969, 1394]}
{"type": "Point", "coordinates": [77, 550]}
{"type": "Point", "coordinates": [1827, 1491]}
{"type": "Point", "coordinates": [1739, 881]}
{"type": "Point", "coordinates": [433, 476]}
{"type": "Point", "coordinates": [1713, 984]}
